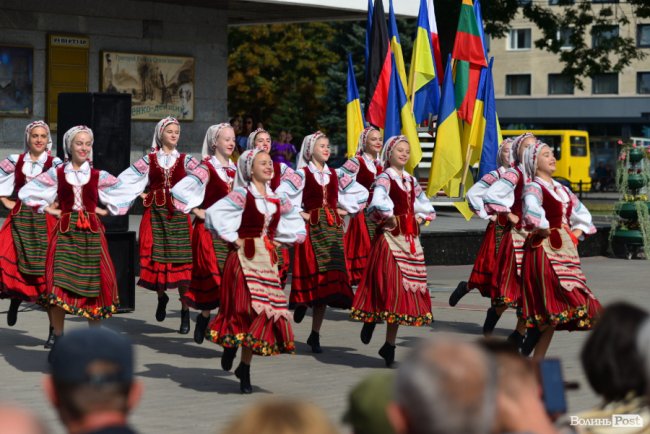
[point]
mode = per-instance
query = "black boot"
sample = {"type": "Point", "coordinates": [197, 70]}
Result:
{"type": "Point", "coordinates": [530, 341]}
{"type": "Point", "coordinates": [314, 342]}
{"type": "Point", "coordinates": [50, 339]}
{"type": "Point", "coordinates": [491, 320]}
{"type": "Point", "coordinates": [460, 292]}
{"type": "Point", "coordinates": [516, 339]}
{"type": "Point", "coordinates": [243, 372]}
{"type": "Point", "coordinates": [200, 328]}
{"type": "Point", "coordinates": [185, 322]}
{"type": "Point", "coordinates": [227, 357]}
{"type": "Point", "coordinates": [366, 332]}
{"type": "Point", "coordinates": [387, 352]}
{"type": "Point", "coordinates": [161, 310]}
{"type": "Point", "coordinates": [12, 315]}
{"type": "Point", "coordinates": [50, 355]}
{"type": "Point", "coordinates": [299, 313]}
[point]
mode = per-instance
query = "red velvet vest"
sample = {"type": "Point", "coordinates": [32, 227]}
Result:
{"type": "Point", "coordinates": [216, 189]}
{"type": "Point", "coordinates": [365, 177]}
{"type": "Point", "coordinates": [403, 203]}
{"type": "Point", "coordinates": [159, 184]}
{"type": "Point", "coordinates": [277, 175]}
{"type": "Point", "coordinates": [89, 198]}
{"type": "Point", "coordinates": [20, 179]}
{"type": "Point", "coordinates": [553, 208]}
{"type": "Point", "coordinates": [517, 206]}
{"type": "Point", "coordinates": [252, 222]}
{"type": "Point", "coordinates": [316, 196]}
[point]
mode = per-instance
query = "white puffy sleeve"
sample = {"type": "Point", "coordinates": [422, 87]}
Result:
{"type": "Point", "coordinates": [40, 191]}
{"type": "Point", "coordinates": [191, 163]}
{"type": "Point", "coordinates": [117, 199]}
{"type": "Point", "coordinates": [352, 195]}
{"type": "Point", "coordinates": [293, 185]}
{"type": "Point", "coordinates": [224, 217]}
{"type": "Point", "coordinates": [580, 216]}
{"type": "Point", "coordinates": [381, 206]}
{"type": "Point", "coordinates": [7, 175]}
{"type": "Point", "coordinates": [534, 215]}
{"type": "Point", "coordinates": [189, 192]}
{"type": "Point", "coordinates": [136, 177]}
{"type": "Point", "coordinates": [477, 191]}
{"type": "Point", "coordinates": [500, 196]}
{"type": "Point", "coordinates": [422, 206]}
{"type": "Point", "coordinates": [350, 168]}
{"type": "Point", "coordinates": [291, 227]}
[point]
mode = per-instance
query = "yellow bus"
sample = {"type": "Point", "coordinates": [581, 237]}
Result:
{"type": "Point", "coordinates": [571, 149]}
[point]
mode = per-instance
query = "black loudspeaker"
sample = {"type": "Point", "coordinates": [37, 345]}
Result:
{"type": "Point", "coordinates": [109, 116]}
{"type": "Point", "coordinates": [121, 246]}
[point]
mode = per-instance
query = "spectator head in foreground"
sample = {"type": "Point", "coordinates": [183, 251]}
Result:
{"type": "Point", "coordinates": [368, 402]}
{"type": "Point", "coordinates": [17, 420]}
{"type": "Point", "coordinates": [91, 382]}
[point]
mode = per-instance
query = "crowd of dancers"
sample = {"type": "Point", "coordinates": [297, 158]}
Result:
{"type": "Point", "coordinates": [352, 227]}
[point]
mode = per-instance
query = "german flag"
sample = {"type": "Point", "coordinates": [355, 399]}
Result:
{"type": "Point", "coordinates": [379, 69]}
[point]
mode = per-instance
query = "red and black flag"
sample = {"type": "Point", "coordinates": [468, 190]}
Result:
{"type": "Point", "coordinates": [379, 68]}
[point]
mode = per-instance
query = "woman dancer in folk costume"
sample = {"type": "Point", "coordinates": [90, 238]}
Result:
{"type": "Point", "coordinates": [556, 296]}
{"type": "Point", "coordinates": [165, 232]}
{"type": "Point", "coordinates": [320, 277]}
{"type": "Point", "coordinates": [253, 312]}
{"type": "Point", "coordinates": [261, 139]}
{"type": "Point", "coordinates": [394, 285]}
{"type": "Point", "coordinates": [210, 182]}
{"type": "Point", "coordinates": [485, 264]}
{"type": "Point", "coordinates": [504, 198]}
{"type": "Point", "coordinates": [79, 273]}
{"type": "Point", "coordinates": [23, 237]}
{"type": "Point", "coordinates": [363, 168]}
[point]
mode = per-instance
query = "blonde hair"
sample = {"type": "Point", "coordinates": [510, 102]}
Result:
{"type": "Point", "coordinates": [281, 417]}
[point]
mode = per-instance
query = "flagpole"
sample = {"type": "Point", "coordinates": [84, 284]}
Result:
{"type": "Point", "coordinates": [470, 150]}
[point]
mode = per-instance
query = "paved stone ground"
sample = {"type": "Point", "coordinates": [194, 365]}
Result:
{"type": "Point", "coordinates": [185, 389]}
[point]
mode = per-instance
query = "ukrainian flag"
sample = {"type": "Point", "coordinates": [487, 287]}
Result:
{"type": "Point", "coordinates": [395, 44]}
{"type": "Point", "coordinates": [354, 113]}
{"type": "Point", "coordinates": [399, 118]}
{"type": "Point", "coordinates": [423, 83]}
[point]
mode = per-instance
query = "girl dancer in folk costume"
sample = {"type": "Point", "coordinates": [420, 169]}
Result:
{"type": "Point", "coordinates": [209, 182]}
{"type": "Point", "coordinates": [261, 139]}
{"type": "Point", "coordinates": [364, 168]}
{"type": "Point", "coordinates": [556, 296]}
{"type": "Point", "coordinates": [503, 198]}
{"type": "Point", "coordinates": [485, 265]}
{"type": "Point", "coordinates": [23, 237]}
{"type": "Point", "coordinates": [253, 312]}
{"type": "Point", "coordinates": [394, 285]}
{"type": "Point", "coordinates": [165, 233]}
{"type": "Point", "coordinates": [79, 273]}
{"type": "Point", "coordinates": [320, 275]}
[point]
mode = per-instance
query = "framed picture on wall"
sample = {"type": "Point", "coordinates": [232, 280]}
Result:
{"type": "Point", "coordinates": [16, 81]}
{"type": "Point", "coordinates": [160, 85]}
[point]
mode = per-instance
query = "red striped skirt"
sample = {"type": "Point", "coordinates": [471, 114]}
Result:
{"type": "Point", "coordinates": [237, 323]}
{"type": "Point", "coordinates": [485, 264]}
{"type": "Point", "coordinates": [14, 283]}
{"type": "Point", "coordinates": [546, 302]}
{"type": "Point", "coordinates": [357, 247]}
{"type": "Point", "coordinates": [102, 306]}
{"type": "Point", "coordinates": [381, 294]}
{"type": "Point", "coordinates": [158, 276]}
{"type": "Point", "coordinates": [320, 278]}
{"type": "Point", "coordinates": [506, 281]}
{"type": "Point", "coordinates": [208, 259]}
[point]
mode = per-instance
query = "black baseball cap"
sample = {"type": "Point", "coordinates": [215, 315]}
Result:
{"type": "Point", "coordinates": [75, 352]}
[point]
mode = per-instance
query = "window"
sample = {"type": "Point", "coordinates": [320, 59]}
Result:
{"type": "Point", "coordinates": [600, 34]}
{"type": "Point", "coordinates": [518, 84]}
{"type": "Point", "coordinates": [524, 2]}
{"type": "Point", "coordinates": [604, 1]}
{"type": "Point", "coordinates": [559, 84]}
{"type": "Point", "coordinates": [519, 39]}
{"type": "Point", "coordinates": [560, 2]}
{"type": "Point", "coordinates": [643, 82]}
{"type": "Point", "coordinates": [553, 142]}
{"type": "Point", "coordinates": [578, 146]}
{"type": "Point", "coordinates": [604, 83]}
{"type": "Point", "coordinates": [564, 35]}
{"type": "Point", "coordinates": [643, 35]}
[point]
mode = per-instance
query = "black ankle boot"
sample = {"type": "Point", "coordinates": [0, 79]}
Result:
{"type": "Point", "coordinates": [387, 352]}
{"type": "Point", "coordinates": [185, 322]}
{"type": "Point", "coordinates": [530, 341]}
{"type": "Point", "coordinates": [366, 332]}
{"type": "Point", "coordinates": [200, 328]}
{"type": "Point", "coordinates": [299, 313]}
{"type": "Point", "coordinates": [227, 357]}
{"type": "Point", "coordinates": [12, 315]}
{"type": "Point", "coordinates": [243, 372]}
{"type": "Point", "coordinates": [314, 342]}
{"type": "Point", "coordinates": [51, 355]}
{"type": "Point", "coordinates": [161, 309]}
{"type": "Point", "coordinates": [516, 339]}
{"type": "Point", "coordinates": [460, 292]}
{"type": "Point", "coordinates": [491, 320]}
{"type": "Point", "coordinates": [50, 339]}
